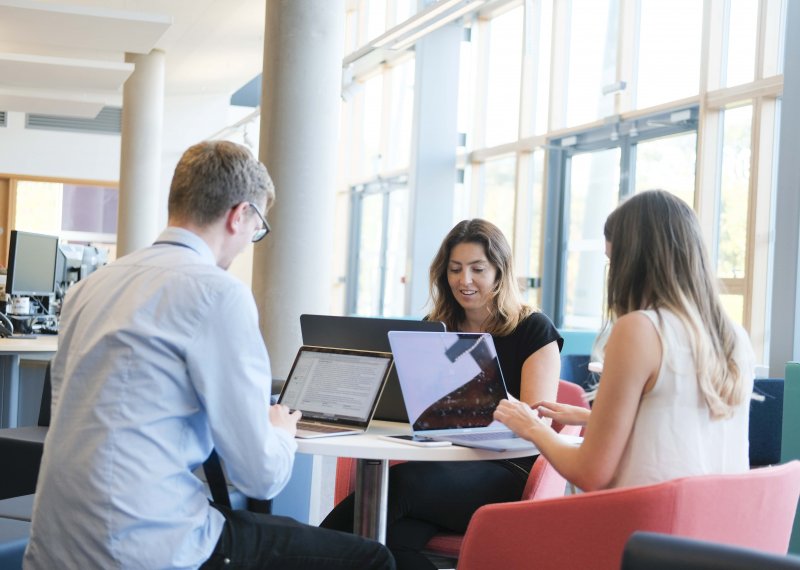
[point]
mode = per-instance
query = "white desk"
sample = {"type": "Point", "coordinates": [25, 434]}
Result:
{"type": "Point", "coordinates": [372, 471]}
{"type": "Point", "coordinates": [12, 350]}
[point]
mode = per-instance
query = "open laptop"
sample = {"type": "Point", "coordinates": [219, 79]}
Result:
{"type": "Point", "coordinates": [366, 333]}
{"type": "Point", "coordinates": [337, 390]}
{"type": "Point", "coordinates": [451, 384]}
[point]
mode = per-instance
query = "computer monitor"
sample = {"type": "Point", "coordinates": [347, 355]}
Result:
{"type": "Point", "coordinates": [31, 264]}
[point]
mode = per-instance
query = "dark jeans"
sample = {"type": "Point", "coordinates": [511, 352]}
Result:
{"type": "Point", "coordinates": [260, 541]}
{"type": "Point", "coordinates": [428, 497]}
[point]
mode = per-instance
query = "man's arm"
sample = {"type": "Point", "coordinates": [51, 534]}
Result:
{"type": "Point", "coordinates": [229, 366]}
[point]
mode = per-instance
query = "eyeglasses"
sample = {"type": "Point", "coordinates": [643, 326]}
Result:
{"type": "Point", "coordinates": [259, 234]}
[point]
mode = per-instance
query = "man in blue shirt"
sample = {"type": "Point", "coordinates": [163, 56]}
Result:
{"type": "Point", "coordinates": [161, 360]}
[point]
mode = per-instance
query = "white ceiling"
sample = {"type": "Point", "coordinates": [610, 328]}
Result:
{"type": "Point", "coordinates": [68, 57]}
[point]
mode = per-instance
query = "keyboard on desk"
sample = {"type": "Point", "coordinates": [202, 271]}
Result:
{"type": "Point", "coordinates": [484, 436]}
{"type": "Point", "coordinates": [309, 430]}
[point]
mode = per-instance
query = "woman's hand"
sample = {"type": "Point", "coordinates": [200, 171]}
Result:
{"type": "Point", "coordinates": [564, 414]}
{"type": "Point", "coordinates": [519, 418]}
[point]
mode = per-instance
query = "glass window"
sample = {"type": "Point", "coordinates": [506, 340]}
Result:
{"type": "Point", "coordinates": [77, 213]}
{"type": "Point", "coordinates": [504, 77]}
{"type": "Point", "coordinates": [741, 44]}
{"type": "Point", "coordinates": [669, 164]}
{"type": "Point", "coordinates": [38, 207]}
{"type": "Point", "coordinates": [376, 18]}
{"type": "Point", "coordinates": [396, 241]}
{"type": "Point", "coordinates": [543, 55]}
{"type": "Point", "coordinates": [401, 115]}
{"type": "Point", "coordinates": [370, 163]}
{"type": "Point", "coordinates": [734, 193]}
{"type": "Point", "coordinates": [403, 10]}
{"type": "Point", "coordinates": [369, 255]}
{"type": "Point", "coordinates": [351, 31]}
{"type": "Point", "coordinates": [592, 60]}
{"type": "Point", "coordinates": [536, 222]}
{"type": "Point", "coordinates": [89, 209]}
{"type": "Point", "coordinates": [498, 194]}
{"type": "Point", "coordinates": [668, 66]}
{"type": "Point", "coordinates": [593, 193]}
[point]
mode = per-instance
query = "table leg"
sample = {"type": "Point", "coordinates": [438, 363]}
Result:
{"type": "Point", "coordinates": [9, 389]}
{"type": "Point", "coordinates": [372, 491]}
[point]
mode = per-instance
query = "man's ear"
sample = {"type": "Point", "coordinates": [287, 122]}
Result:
{"type": "Point", "coordinates": [236, 217]}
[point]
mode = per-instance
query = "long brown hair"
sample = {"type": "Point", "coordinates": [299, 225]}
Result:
{"type": "Point", "coordinates": [507, 307]}
{"type": "Point", "coordinates": [658, 261]}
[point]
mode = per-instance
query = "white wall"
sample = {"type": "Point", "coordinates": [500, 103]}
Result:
{"type": "Point", "coordinates": [37, 152]}
{"type": "Point", "coordinates": [96, 157]}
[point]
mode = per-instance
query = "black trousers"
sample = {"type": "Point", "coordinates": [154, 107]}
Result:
{"type": "Point", "coordinates": [427, 497]}
{"type": "Point", "coordinates": [260, 541]}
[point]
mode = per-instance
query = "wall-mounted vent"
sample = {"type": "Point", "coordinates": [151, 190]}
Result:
{"type": "Point", "coordinates": [108, 121]}
{"type": "Point", "coordinates": [2, 118]}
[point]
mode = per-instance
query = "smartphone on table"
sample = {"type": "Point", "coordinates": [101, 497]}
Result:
{"type": "Point", "coordinates": [415, 440]}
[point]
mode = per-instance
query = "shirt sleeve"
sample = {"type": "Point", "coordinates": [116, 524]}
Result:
{"type": "Point", "coordinates": [229, 367]}
{"type": "Point", "coordinates": [539, 331]}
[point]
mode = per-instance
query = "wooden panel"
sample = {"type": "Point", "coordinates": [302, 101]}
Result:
{"type": "Point", "coordinates": [5, 220]}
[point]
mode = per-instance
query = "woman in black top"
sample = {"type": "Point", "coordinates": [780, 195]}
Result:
{"type": "Point", "coordinates": [473, 289]}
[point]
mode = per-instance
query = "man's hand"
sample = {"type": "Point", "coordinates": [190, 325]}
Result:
{"type": "Point", "coordinates": [281, 417]}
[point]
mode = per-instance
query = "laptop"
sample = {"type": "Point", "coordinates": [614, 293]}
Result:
{"type": "Point", "coordinates": [366, 333]}
{"type": "Point", "coordinates": [451, 384]}
{"type": "Point", "coordinates": [337, 390]}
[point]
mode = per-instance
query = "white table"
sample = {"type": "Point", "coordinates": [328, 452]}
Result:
{"type": "Point", "coordinates": [372, 471]}
{"type": "Point", "coordinates": [12, 350]}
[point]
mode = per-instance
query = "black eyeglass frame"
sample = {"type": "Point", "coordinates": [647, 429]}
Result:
{"type": "Point", "coordinates": [262, 232]}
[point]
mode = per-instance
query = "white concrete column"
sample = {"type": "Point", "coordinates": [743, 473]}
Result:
{"type": "Point", "coordinates": [140, 156]}
{"type": "Point", "coordinates": [300, 106]}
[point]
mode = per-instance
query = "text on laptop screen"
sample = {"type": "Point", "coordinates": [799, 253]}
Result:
{"type": "Point", "coordinates": [334, 385]}
{"type": "Point", "coordinates": [449, 380]}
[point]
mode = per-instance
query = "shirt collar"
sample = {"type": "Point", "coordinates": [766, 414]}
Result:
{"type": "Point", "coordinates": [182, 236]}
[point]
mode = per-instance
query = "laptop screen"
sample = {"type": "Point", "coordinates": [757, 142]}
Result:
{"type": "Point", "coordinates": [366, 333]}
{"type": "Point", "coordinates": [448, 380]}
{"type": "Point", "coordinates": [336, 384]}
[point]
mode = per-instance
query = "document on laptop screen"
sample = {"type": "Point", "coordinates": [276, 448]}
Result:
{"type": "Point", "coordinates": [335, 384]}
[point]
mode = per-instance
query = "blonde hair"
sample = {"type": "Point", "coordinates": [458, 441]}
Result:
{"type": "Point", "coordinates": [658, 261]}
{"type": "Point", "coordinates": [507, 307]}
{"type": "Point", "coordinates": [213, 176]}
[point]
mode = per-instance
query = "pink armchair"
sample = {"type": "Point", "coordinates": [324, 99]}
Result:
{"type": "Point", "coordinates": [754, 510]}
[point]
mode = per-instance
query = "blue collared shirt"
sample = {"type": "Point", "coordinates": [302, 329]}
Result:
{"type": "Point", "coordinates": [160, 359]}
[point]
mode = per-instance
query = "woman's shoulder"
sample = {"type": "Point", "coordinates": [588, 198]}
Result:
{"type": "Point", "coordinates": [536, 326]}
{"type": "Point", "coordinates": [636, 328]}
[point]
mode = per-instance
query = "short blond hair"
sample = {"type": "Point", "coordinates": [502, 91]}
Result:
{"type": "Point", "coordinates": [212, 177]}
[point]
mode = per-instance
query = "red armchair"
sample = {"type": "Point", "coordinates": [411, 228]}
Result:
{"type": "Point", "coordinates": [753, 510]}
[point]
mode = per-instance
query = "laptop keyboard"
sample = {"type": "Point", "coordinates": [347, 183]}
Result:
{"type": "Point", "coordinates": [317, 428]}
{"type": "Point", "coordinates": [484, 436]}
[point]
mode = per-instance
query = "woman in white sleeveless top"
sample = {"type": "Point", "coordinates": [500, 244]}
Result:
{"type": "Point", "coordinates": [677, 375]}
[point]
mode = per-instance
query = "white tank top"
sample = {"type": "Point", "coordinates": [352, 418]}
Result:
{"type": "Point", "coordinates": [673, 434]}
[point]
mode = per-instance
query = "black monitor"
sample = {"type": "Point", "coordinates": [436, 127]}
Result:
{"type": "Point", "coordinates": [31, 264]}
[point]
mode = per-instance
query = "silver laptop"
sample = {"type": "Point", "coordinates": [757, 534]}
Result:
{"type": "Point", "coordinates": [336, 389]}
{"type": "Point", "coordinates": [451, 385]}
